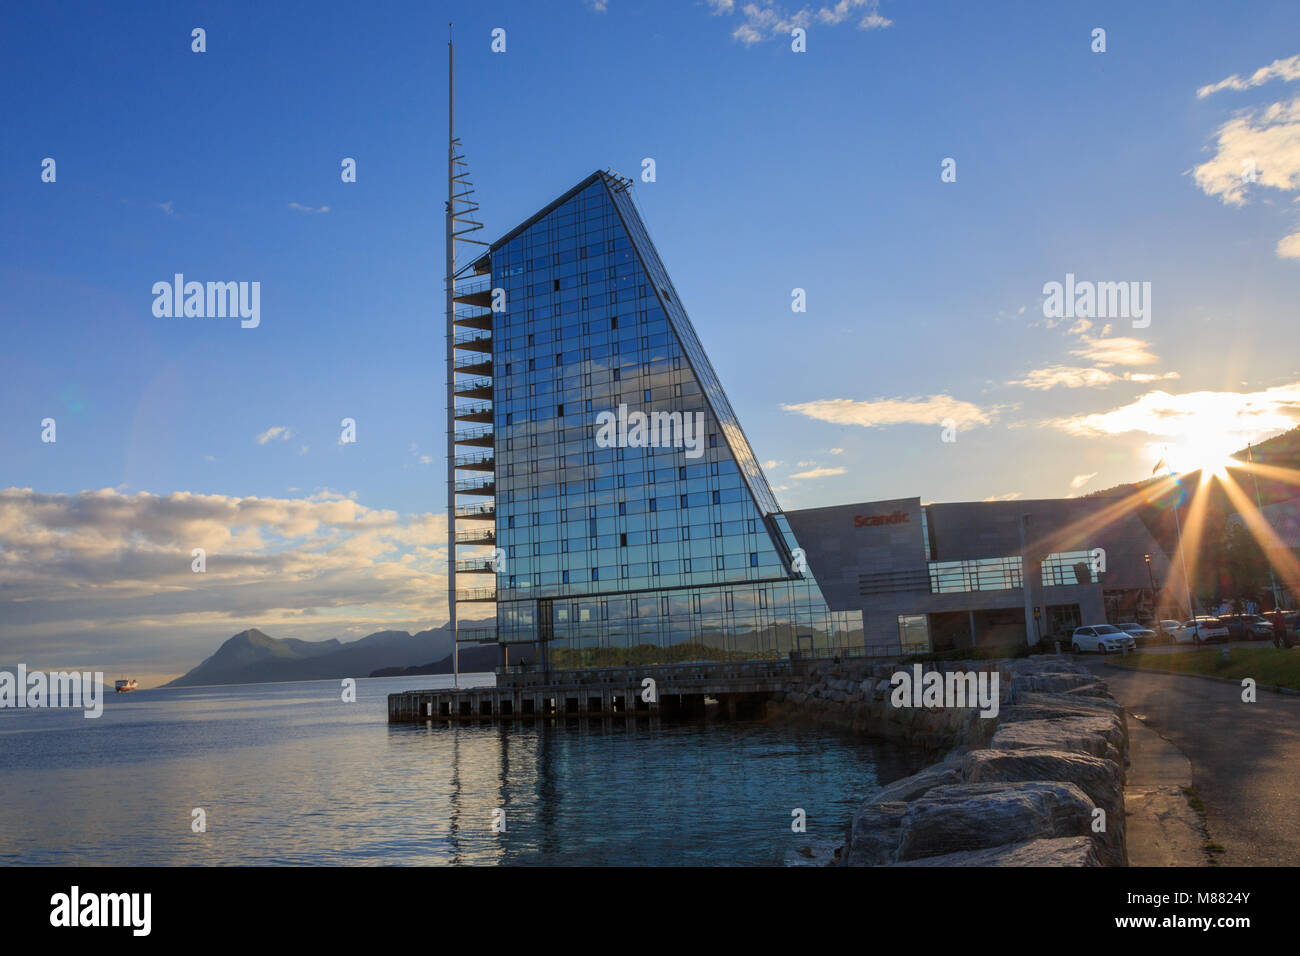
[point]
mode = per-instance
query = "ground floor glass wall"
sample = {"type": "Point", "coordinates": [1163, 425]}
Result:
{"type": "Point", "coordinates": [749, 621]}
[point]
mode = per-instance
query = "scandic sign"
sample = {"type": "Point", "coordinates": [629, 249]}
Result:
{"type": "Point", "coordinates": [863, 521]}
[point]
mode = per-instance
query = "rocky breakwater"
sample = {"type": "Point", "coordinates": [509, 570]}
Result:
{"type": "Point", "coordinates": [1041, 783]}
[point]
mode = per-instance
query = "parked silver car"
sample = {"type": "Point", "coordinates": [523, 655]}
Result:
{"type": "Point", "coordinates": [1143, 635]}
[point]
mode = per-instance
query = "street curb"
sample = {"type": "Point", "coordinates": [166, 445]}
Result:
{"type": "Point", "coordinates": [1235, 681]}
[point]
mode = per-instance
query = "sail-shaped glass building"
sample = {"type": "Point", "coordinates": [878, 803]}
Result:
{"type": "Point", "coordinates": [609, 548]}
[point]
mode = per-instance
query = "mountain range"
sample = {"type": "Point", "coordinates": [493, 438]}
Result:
{"type": "Point", "coordinates": [253, 657]}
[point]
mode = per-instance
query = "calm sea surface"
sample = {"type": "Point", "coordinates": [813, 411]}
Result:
{"type": "Point", "coordinates": [289, 774]}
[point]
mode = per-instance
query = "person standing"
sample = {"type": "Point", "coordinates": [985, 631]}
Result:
{"type": "Point", "coordinates": [1279, 630]}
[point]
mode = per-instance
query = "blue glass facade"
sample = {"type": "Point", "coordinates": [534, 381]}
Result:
{"type": "Point", "coordinates": [626, 551]}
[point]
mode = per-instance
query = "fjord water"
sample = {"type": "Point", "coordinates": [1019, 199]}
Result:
{"type": "Point", "coordinates": [289, 774]}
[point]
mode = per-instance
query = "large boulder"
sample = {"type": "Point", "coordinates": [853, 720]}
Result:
{"type": "Point", "coordinates": [1102, 780]}
{"type": "Point", "coordinates": [1099, 736]}
{"type": "Point", "coordinates": [1045, 665]}
{"type": "Point", "coordinates": [1059, 851]}
{"type": "Point", "coordinates": [1058, 683]}
{"type": "Point", "coordinates": [1038, 706]}
{"type": "Point", "coordinates": [972, 816]}
{"type": "Point", "coordinates": [873, 837]}
{"type": "Point", "coordinates": [941, 774]}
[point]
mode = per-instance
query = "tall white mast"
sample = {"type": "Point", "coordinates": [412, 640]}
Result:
{"type": "Point", "coordinates": [451, 358]}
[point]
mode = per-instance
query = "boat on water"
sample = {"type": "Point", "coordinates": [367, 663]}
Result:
{"type": "Point", "coordinates": [122, 686]}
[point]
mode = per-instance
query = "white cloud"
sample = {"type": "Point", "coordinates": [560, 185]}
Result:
{"type": "Point", "coordinates": [1078, 481]}
{"type": "Point", "coordinates": [1257, 147]}
{"type": "Point", "coordinates": [819, 473]}
{"type": "Point", "coordinates": [102, 573]}
{"type": "Point", "coordinates": [281, 432]}
{"type": "Point", "coordinates": [1115, 351]}
{"type": "Point", "coordinates": [1287, 69]}
{"type": "Point", "coordinates": [1073, 376]}
{"type": "Point", "coordinates": [1009, 496]}
{"type": "Point", "coordinates": [299, 207]}
{"type": "Point", "coordinates": [765, 19]}
{"type": "Point", "coordinates": [1066, 376]}
{"type": "Point", "coordinates": [1266, 141]}
{"type": "Point", "coordinates": [1237, 416]}
{"type": "Point", "coordinates": [837, 451]}
{"type": "Point", "coordinates": [769, 465]}
{"type": "Point", "coordinates": [934, 410]}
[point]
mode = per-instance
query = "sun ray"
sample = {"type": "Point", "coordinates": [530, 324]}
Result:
{"type": "Point", "coordinates": [1279, 556]}
{"type": "Point", "coordinates": [1063, 538]}
{"type": "Point", "coordinates": [1193, 530]}
{"type": "Point", "coordinates": [1287, 476]}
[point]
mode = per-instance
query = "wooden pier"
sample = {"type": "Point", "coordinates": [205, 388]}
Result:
{"type": "Point", "coordinates": [723, 689]}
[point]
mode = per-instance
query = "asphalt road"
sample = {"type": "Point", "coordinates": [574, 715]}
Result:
{"type": "Point", "coordinates": [1245, 757]}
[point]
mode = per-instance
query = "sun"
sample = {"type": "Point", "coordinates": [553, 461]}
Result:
{"type": "Point", "coordinates": [1209, 455]}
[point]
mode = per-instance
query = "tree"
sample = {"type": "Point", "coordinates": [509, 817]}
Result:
{"type": "Point", "coordinates": [1245, 563]}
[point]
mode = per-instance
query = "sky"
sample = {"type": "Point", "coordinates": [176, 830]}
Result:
{"type": "Point", "coordinates": [921, 171]}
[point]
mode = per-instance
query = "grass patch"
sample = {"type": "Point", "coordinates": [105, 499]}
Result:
{"type": "Point", "coordinates": [1268, 666]}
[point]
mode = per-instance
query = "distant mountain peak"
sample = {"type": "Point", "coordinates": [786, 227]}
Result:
{"type": "Point", "coordinates": [252, 656]}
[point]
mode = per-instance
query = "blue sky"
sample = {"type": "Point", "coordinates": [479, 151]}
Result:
{"type": "Point", "coordinates": [775, 170]}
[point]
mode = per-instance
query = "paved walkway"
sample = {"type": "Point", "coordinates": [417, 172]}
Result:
{"type": "Point", "coordinates": [1245, 758]}
{"type": "Point", "coordinates": [1163, 827]}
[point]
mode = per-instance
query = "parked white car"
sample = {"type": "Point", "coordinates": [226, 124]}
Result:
{"type": "Point", "coordinates": [1211, 629]}
{"type": "Point", "coordinates": [1102, 638]}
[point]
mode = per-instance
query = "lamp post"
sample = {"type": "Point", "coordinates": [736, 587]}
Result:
{"type": "Point", "coordinates": [1155, 607]}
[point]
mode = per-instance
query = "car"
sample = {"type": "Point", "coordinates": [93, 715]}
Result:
{"type": "Point", "coordinates": [1247, 627]}
{"type": "Point", "coordinates": [1209, 628]}
{"type": "Point", "coordinates": [1167, 628]}
{"type": "Point", "coordinates": [1143, 635]}
{"type": "Point", "coordinates": [1102, 638]}
{"type": "Point", "coordinates": [1235, 623]}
